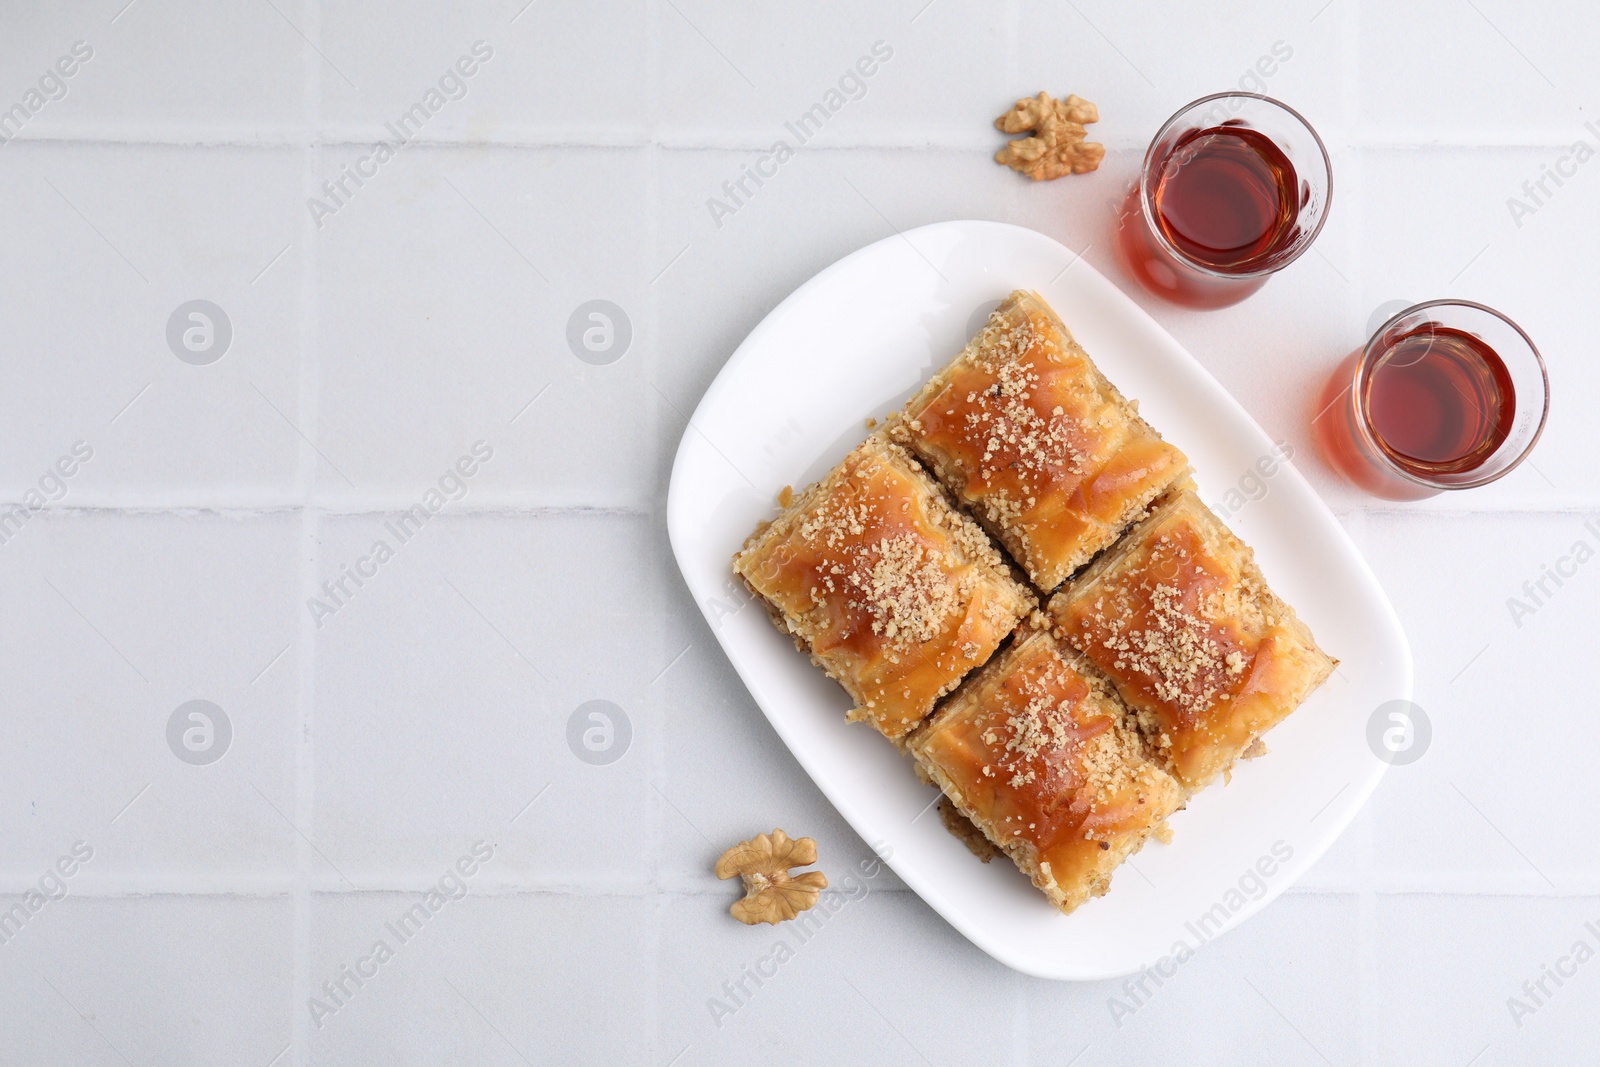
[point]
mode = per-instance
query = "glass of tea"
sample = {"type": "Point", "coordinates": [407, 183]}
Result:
{"type": "Point", "coordinates": [1234, 187]}
{"type": "Point", "coordinates": [1446, 395]}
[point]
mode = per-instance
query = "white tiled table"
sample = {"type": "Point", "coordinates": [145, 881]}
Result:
{"type": "Point", "coordinates": [429, 312]}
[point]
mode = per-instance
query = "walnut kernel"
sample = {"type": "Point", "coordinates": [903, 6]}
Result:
{"type": "Point", "coordinates": [771, 893]}
{"type": "Point", "coordinates": [1057, 146]}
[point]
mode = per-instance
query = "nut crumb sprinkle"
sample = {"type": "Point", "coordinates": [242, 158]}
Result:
{"type": "Point", "coordinates": [1019, 439]}
{"type": "Point", "coordinates": [1045, 734]}
{"type": "Point", "coordinates": [886, 561]}
{"type": "Point", "coordinates": [1166, 629]}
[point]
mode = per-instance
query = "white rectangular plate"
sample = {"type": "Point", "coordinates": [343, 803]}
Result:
{"type": "Point", "coordinates": [856, 341]}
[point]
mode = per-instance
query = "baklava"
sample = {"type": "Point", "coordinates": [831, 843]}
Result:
{"type": "Point", "coordinates": [1025, 431]}
{"type": "Point", "coordinates": [1036, 751]}
{"type": "Point", "coordinates": [1178, 615]}
{"type": "Point", "coordinates": [893, 592]}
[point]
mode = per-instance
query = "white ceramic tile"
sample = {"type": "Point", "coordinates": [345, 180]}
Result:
{"type": "Point", "coordinates": [482, 979]}
{"type": "Point", "coordinates": [1475, 73]}
{"type": "Point", "coordinates": [445, 686]}
{"type": "Point", "coordinates": [506, 71]}
{"type": "Point", "coordinates": [1140, 70]}
{"type": "Point", "coordinates": [106, 245]}
{"type": "Point", "coordinates": [1463, 959]}
{"type": "Point", "coordinates": [163, 70]}
{"type": "Point", "coordinates": [1473, 811]}
{"type": "Point", "coordinates": [1286, 984]}
{"type": "Point", "coordinates": [154, 979]}
{"type": "Point", "coordinates": [894, 74]}
{"type": "Point", "coordinates": [862, 966]}
{"type": "Point", "coordinates": [418, 363]}
{"type": "Point", "coordinates": [121, 620]}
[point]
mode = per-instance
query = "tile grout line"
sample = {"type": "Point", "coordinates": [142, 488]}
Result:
{"type": "Point", "coordinates": [743, 142]}
{"type": "Point", "coordinates": [1367, 1009]}
{"type": "Point", "coordinates": [305, 786]}
{"type": "Point", "coordinates": [653, 351]}
{"type": "Point", "coordinates": [411, 884]}
{"type": "Point", "coordinates": [384, 507]}
{"type": "Point", "coordinates": [310, 524]}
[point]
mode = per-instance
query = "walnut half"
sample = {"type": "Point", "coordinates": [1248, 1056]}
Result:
{"type": "Point", "coordinates": [771, 893]}
{"type": "Point", "coordinates": [1057, 146]}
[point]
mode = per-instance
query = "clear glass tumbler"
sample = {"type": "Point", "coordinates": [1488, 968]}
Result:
{"type": "Point", "coordinates": [1234, 188]}
{"type": "Point", "coordinates": [1447, 394]}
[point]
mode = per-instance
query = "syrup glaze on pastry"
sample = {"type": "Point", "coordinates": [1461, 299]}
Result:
{"type": "Point", "coordinates": [893, 592]}
{"type": "Point", "coordinates": [1034, 749]}
{"type": "Point", "coordinates": [1024, 430]}
{"type": "Point", "coordinates": [1179, 616]}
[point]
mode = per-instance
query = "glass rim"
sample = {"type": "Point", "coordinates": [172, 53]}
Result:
{"type": "Point", "coordinates": [1363, 371]}
{"type": "Point", "coordinates": [1148, 208]}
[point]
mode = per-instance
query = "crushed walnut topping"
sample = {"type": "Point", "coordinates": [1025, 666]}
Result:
{"type": "Point", "coordinates": [911, 573]}
{"type": "Point", "coordinates": [1016, 435]}
{"type": "Point", "coordinates": [1050, 741]}
{"type": "Point", "coordinates": [908, 593]}
{"type": "Point", "coordinates": [1174, 643]}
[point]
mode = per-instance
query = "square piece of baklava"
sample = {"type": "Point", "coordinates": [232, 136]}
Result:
{"type": "Point", "coordinates": [1036, 751]}
{"type": "Point", "coordinates": [893, 592]}
{"type": "Point", "coordinates": [1026, 432]}
{"type": "Point", "coordinates": [1178, 615]}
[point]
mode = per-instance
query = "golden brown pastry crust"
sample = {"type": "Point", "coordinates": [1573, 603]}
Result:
{"type": "Point", "coordinates": [1035, 750]}
{"type": "Point", "coordinates": [895, 593]}
{"type": "Point", "coordinates": [1181, 619]}
{"type": "Point", "coordinates": [1026, 432]}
